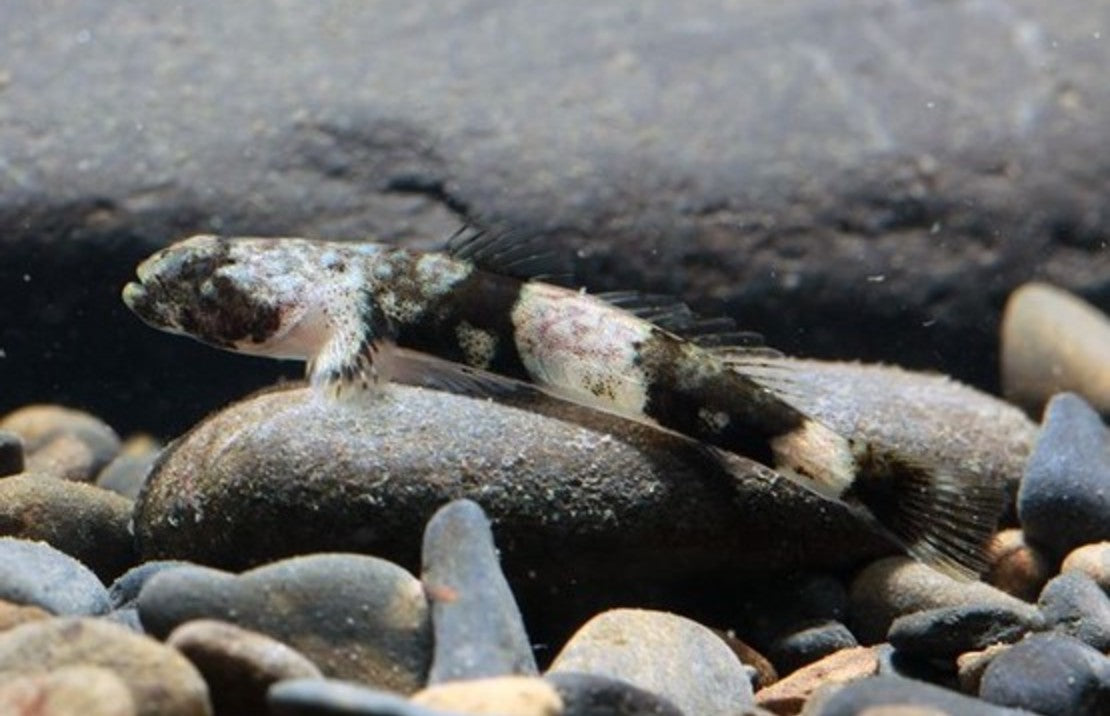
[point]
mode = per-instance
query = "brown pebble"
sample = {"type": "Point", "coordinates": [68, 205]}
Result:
{"type": "Point", "coordinates": [12, 615]}
{"type": "Point", "coordinates": [765, 673]}
{"type": "Point", "coordinates": [971, 665]}
{"type": "Point", "coordinates": [1053, 341]}
{"type": "Point", "coordinates": [73, 444]}
{"type": "Point", "coordinates": [161, 681]}
{"type": "Point", "coordinates": [69, 690]}
{"type": "Point", "coordinates": [789, 695]}
{"type": "Point", "coordinates": [238, 664]}
{"type": "Point", "coordinates": [517, 695]}
{"type": "Point", "coordinates": [1092, 560]}
{"type": "Point", "coordinates": [1017, 567]}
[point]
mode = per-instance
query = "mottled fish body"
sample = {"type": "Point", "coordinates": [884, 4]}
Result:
{"type": "Point", "coordinates": [361, 314]}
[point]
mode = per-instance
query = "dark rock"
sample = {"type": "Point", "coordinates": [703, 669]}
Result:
{"type": "Point", "coordinates": [331, 697]}
{"type": "Point", "coordinates": [1016, 567]}
{"type": "Point", "coordinates": [1075, 605]}
{"type": "Point", "coordinates": [893, 691]}
{"type": "Point", "coordinates": [124, 591]}
{"type": "Point", "coordinates": [790, 695]}
{"type": "Point", "coordinates": [85, 522]}
{"type": "Point", "coordinates": [593, 695]}
{"type": "Point", "coordinates": [516, 695]}
{"type": "Point", "coordinates": [1050, 674]}
{"type": "Point", "coordinates": [11, 453]}
{"type": "Point", "coordinates": [896, 586]}
{"type": "Point", "coordinates": [354, 616]}
{"type": "Point", "coordinates": [1064, 501]}
{"type": "Point", "coordinates": [971, 665]}
{"type": "Point", "coordinates": [67, 691]}
{"type": "Point", "coordinates": [1052, 342]}
{"type": "Point", "coordinates": [946, 632]}
{"type": "Point", "coordinates": [769, 608]}
{"type": "Point", "coordinates": [1092, 560]}
{"type": "Point", "coordinates": [161, 681]}
{"type": "Point", "coordinates": [66, 443]}
{"type": "Point", "coordinates": [762, 671]}
{"type": "Point", "coordinates": [615, 507]}
{"type": "Point", "coordinates": [664, 654]}
{"type": "Point", "coordinates": [477, 625]}
{"type": "Point", "coordinates": [36, 573]}
{"type": "Point", "coordinates": [238, 665]}
{"type": "Point", "coordinates": [854, 229]}
{"type": "Point", "coordinates": [807, 643]}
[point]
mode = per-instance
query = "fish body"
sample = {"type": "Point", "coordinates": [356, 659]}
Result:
{"type": "Point", "coordinates": [360, 314]}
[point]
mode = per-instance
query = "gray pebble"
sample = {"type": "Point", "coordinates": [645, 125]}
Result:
{"type": "Point", "coordinates": [947, 632]}
{"type": "Point", "coordinates": [126, 474]}
{"type": "Point", "coordinates": [36, 573]}
{"type": "Point", "coordinates": [85, 522]}
{"type": "Point", "coordinates": [1075, 605]}
{"type": "Point", "coordinates": [356, 617]}
{"type": "Point", "coordinates": [332, 697]}
{"type": "Point", "coordinates": [807, 643]}
{"type": "Point", "coordinates": [477, 625]}
{"type": "Point", "coordinates": [125, 589]}
{"type": "Point", "coordinates": [893, 587]}
{"type": "Point", "coordinates": [1051, 674]}
{"type": "Point", "coordinates": [593, 695]}
{"type": "Point", "coordinates": [769, 609]}
{"type": "Point", "coordinates": [877, 692]}
{"type": "Point", "coordinates": [11, 453]}
{"type": "Point", "coordinates": [1064, 499]}
{"type": "Point", "coordinates": [679, 659]}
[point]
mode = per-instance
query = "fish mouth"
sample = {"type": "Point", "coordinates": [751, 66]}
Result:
{"type": "Point", "coordinates": [134, 295]}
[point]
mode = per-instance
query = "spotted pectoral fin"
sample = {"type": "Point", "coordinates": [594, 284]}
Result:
{"type": "Point", "coordinates": [512, 252]}
{"type": "Point", "coordinates": [358, 355]}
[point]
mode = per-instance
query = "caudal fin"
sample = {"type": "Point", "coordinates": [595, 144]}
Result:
{"type": "Point", "coordinates": [941, 515]}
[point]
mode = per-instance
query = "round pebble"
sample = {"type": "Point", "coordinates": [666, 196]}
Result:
{"type": "Point", "coordinates": [1050, 674]}
{"type": "Point", "coordinates": [124, 591]}
{"type": "Point", "coordinates": [85, 522]}
{"type": "Point", "coordinates": [66, 691]}
{"type": "Point", "coordinates": [36, 573]}
{"type": "Point", "coordinates": [1075, 605]}
{"type": "Point", "coordinates": [895, 586]}
{"type": "Point", "coordinates": [891, 695]}
{"type": "Point", "coordinates": [11, 453]}
{"type": "Point", "coordinates": [971, 665]}
{"type": "Point", "coordinates": [356, 617]}
{"type": "Point", "coordinates": [674, 657]}
{"type": "Point", "coordinates": [593, 695]}
{"type": "Point", "coordinates": [1054, 341]}
{"type": "Point", "coordinates": [332, 697]}
{"type": "Point", "coordinates": [162, 682]}
{"type": "Point", "coordinates": [1092, 560]}
{"type": "Point", "coordinates": [239, 665]}
{"type": "Point", "coordinates": [1017, 567]}
{"type": "Point", "coordinates": [12, 615]}
{"type": "Point", "coordinates": [516, 695]}
{"type": "Point", "coordinates": [808, 643]}
{"type": "Point", "coordinates": [478, 628]}
{"type": "Point", "coordinates": [791, 693]}
{"type": "Point", "coordinates": [62, 441]}
{"type": "Point", "coordinates": [1064, 500]}
{"type": "Point", "coordinates": [946, 632]}
{"type": "Point", "coordinates": [126, 474]}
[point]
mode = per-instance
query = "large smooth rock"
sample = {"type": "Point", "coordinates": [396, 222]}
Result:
{"type": "Point", "coordinates": [844, 185]}
{"type": "Point", "coordinates": [37, 574]}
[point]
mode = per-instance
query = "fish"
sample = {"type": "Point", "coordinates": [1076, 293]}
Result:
{"type": "Point", "coordinates": [490, 310]}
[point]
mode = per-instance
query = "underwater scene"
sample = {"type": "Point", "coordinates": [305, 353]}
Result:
{"type": "Point", "coordinates": [519, 358]}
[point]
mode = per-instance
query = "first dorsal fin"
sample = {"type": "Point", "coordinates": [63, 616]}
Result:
{"type": "Point", "coordinates": [670, 314]}
{"type": "Point", "coordinates": [511, 252]}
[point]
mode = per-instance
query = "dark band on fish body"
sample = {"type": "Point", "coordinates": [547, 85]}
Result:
{"type": "Point", "coordinates": [485, 302]}
{"type": "Point", "coordinates": [754, 419]}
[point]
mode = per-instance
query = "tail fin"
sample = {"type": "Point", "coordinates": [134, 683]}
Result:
{"type": "Point", "coordinates": [939, 515]}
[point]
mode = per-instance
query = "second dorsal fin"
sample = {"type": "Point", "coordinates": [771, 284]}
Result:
{"type": "Point", "coordinates": [511, 252]}
{"type": "Point", "coordinates": [670, 314]}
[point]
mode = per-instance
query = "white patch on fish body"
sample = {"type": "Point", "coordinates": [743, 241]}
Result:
{"type": "Point", "coordinates": [715, 420]}
{"type": "Point", "coordinates": [581, 348]}
{"type": "Point", "coordinates": [478, 346]}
